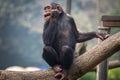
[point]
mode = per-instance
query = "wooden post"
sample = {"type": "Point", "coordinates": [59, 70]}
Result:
{"type": "Point", "coordinates": [102, 68]}
{"type": "Point", "coordinates": [108, 21]}
{"type": "Point", "coordinates": [111, 21]}
{"type": "Point", "coordinates": [68, 6]}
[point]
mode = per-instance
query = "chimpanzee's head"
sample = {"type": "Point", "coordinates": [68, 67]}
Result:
{"type": "Point", "coordinates": [52, 10]}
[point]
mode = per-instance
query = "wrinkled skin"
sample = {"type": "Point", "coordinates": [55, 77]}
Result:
{"type": "Point", "coordinates": [47, 12]}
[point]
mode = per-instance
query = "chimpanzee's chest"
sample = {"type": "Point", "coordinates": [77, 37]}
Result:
{"type": "Point", "coordinates": [64, 36]}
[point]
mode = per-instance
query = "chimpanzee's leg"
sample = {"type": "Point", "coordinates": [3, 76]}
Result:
{"type": "Point", "coordinates": [51, 57]}
{"type": "Point", "coordinates": [66, 57]}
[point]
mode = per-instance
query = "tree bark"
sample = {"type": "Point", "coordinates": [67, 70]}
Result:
{"type": "Point", "coordinates": [81, 65]}
{"type": "Point", "coordinates": [91, 58]}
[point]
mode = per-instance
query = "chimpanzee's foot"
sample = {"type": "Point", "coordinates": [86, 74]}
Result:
{"type": "Point", "coordinates": [62, 75]}
{"type": "Point", "coordinates": [59, 75]}
{"type": "Point", "coordinates": [57, 68]}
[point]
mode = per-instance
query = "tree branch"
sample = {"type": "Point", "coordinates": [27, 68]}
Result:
{"type": "Point", "coordinates": [114, 64]}
{"type": "Point", "coordinates": [111, 65]}
{"type": "Point", "coordinates": [81, 65]}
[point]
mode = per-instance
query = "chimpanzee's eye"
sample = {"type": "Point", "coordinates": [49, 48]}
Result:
{"type": "Point", "coordinates": [47, 7]}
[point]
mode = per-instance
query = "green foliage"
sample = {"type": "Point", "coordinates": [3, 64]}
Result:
{"type": "Point", "coordinates": [115, 56]}
{"type": "Point", "coordinates": [88, 76]}
{"type": "Point", "coordinates": [114, 74]}
{"type": "Point", "coordinates": [114, 30]}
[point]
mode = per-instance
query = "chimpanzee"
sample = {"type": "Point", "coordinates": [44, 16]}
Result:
{"type": "Point", "coordinates": [60, 37]}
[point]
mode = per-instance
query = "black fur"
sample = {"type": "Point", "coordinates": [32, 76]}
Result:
{"type": "Point", "coordinates": [60, 36]}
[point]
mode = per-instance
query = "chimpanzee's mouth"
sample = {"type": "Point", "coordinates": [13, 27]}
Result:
{"type": "Point", "coordinates": [47, 15]}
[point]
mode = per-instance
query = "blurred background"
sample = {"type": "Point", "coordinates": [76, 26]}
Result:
{"type": "Point", "coordinates": [21, 27]}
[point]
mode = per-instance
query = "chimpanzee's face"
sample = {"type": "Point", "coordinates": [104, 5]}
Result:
{"type": "Point", "coordinates": [48, 11]}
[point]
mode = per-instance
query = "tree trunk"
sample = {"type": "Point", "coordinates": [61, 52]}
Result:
{"type": "Point", "coordinates": [81, 65]}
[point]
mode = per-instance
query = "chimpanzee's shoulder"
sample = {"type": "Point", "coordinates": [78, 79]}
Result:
{"type": "Point", "coordinates": [69, 17]}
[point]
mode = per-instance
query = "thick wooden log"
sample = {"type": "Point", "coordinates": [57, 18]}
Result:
{"type": "Point", "coordinates": [81, 65]}
{"type": "Point", "coordinates": [91, 58]}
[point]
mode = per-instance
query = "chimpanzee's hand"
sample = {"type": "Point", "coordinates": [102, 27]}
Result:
{"type": "Point", "coordinates": [102, 36]}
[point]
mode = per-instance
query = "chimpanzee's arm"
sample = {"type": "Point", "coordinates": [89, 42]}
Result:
{"type": "Point", "coordinates": [86, 36]}
{"type": "Point", "coordinates": [90, 35]}
{"type": "Point", "coordinates": [82, 37]}
{"type": "Point", "coordinates": [74, 28]}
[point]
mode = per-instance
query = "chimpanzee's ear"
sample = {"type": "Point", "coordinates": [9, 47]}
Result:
{"type": "Point", "coordinates": [59, 8]}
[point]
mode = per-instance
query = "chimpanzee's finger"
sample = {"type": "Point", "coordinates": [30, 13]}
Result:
{"type": "Point", "coordinates": [106, 36]}
{"type": "Point", "coordinates": [100, 37]}
{"type": "Point", "coordinates": [63, 77]}
{"type": "Point", "coordinates": [59, 75]}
